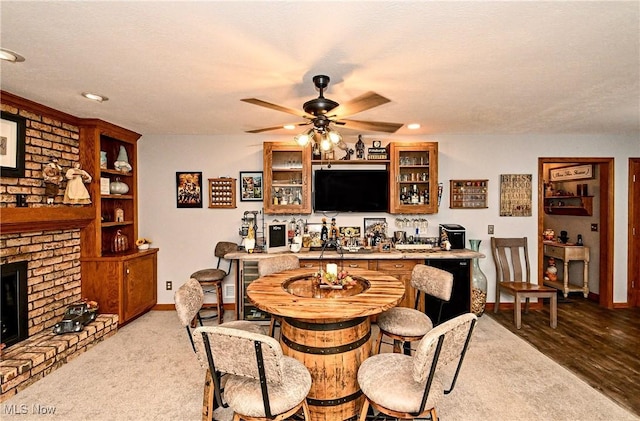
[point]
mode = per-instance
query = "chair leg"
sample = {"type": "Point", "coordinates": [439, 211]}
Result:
{"type": "Point", "coordinates": [207, 399]}
{"type": "Point", "coordinates": [397, 346]}
{"type": "Point", "coordinates": [272, 326]}
{"type": "Point", "coordinates": [365, 409]}
{"type": "Point", "coordinates": [554, 310]}
{"type": "Point", "coordinates": [433, 414]}
{"type": "Point", "coordinates": [220, 303]}
{"type": "Point", "coordinates": [496, 305]}
{"type": "Point", "coordinates": [526, 305]}
{"type": "Point", "coordinates": [517, 311]}
{"type": "Point", "coordinates": [305, 411]}
{"type": "Point", "coordinates": [378, 343]}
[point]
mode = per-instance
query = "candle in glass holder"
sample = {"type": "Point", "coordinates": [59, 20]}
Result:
{"type": "Point", "coordinates": [332, 269]}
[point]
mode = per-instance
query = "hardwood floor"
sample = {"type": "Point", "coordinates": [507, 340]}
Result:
{"type": "Point", "coordinates": [599, 345]}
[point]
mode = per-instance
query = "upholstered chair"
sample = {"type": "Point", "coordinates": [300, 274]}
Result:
{"type": "Point", "coordinates": [404, 324]}
{"type": "Point", "coordinates": [408, 387]}
{"type": "Point", "coordinates": [276, 264]}
{"type": "Point", "coordinates": [211, 278]}
{"type": "Point", "coordinates": [262, 383]}
{"type": "Point", "coordinates": [188, 300]}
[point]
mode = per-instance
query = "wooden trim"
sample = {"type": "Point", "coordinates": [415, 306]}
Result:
{"type": "Point", "coordinates": [633, 234]}
{"type": "Point", "coordinates": [36, 108]}
{"type": "Point", "coordinates": [17, 220]}
{"type": "Point", "coordinates": [533, 305]}
{"type": "Point", "coordinates": [606, 167]}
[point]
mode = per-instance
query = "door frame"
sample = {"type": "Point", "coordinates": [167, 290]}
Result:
{"type": "Point", "coordinates": [606, 193]}
{"type": "Point", "coordinates": [633, 235]}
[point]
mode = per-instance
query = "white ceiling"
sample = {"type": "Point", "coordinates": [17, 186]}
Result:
{"type": "Point", "coordinates": [455, 67]}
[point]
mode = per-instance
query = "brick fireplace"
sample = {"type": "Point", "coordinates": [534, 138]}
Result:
{"type": "Point", "coordinates": [46, 235]}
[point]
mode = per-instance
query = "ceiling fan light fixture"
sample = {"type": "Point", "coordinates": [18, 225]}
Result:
{"type": "Point", "coordinates": [325, 144]}
{"type": "Point", "coordinates": [303, 139]}
{"type": "Point", "coordinates": [334, 136]}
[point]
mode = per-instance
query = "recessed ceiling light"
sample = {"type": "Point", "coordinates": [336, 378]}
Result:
{"type": "Point", "coordinates": [11, 56]}
{"type": "Point", "coordinates": [95, 97]}
{"type": "Point", "coordinates": [289, 127]}
{"type": "Point", "coordinates": [413, 126]}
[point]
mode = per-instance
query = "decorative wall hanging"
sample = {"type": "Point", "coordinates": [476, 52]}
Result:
{"type": "Point", "coordinates": [251, 186]}
{"type": "Point", "coordinates": [222, 193]}
{"type": "Point", "coordinates": [515, 194]}
{"type": "Point", "coordinates": [576, 172]}
{"type": "Point", "coordinates": [12, 141]}
{"type": "Point", "coordinates": [189, 189]}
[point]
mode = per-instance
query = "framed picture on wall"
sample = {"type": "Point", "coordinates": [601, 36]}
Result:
{"type": "Point", "coordinates": [251, 186]}
{"type": "Point", "coordinates": [575, 172]}
{"type": "Point", "coordinates": [189, 189]}
{"type": "Point", "coordinates": [12, 140]}
{"type": "Point", "coordinates": [515, 194]}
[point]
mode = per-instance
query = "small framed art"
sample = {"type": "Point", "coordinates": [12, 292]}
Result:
{"type": "Point", "coordinates": [12, 145]}
{"type": "Point", "coordinates": [189, 189]}
{"type": "Point", "coordinates": [251, 186]}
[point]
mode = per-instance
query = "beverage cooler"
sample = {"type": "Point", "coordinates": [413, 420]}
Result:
{"type": "Point", "coordinates": [460, 302]}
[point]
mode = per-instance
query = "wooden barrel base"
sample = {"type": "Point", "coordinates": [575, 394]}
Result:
{"type": "Point", "coordinates": [332, 351]}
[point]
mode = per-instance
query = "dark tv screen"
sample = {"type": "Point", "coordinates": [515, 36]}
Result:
{"type": "Point", "coordinates": [351, 190]}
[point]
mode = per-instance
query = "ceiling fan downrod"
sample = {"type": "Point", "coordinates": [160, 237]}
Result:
{"type": "Point", "coordinates": [320, 105]}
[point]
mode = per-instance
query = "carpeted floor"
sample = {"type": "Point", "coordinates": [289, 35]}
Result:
{"type": "Point", "coordinates": [147, 371]}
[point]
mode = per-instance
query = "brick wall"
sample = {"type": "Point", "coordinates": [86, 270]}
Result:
{"type": "Point", "coordinates": [53, 256]}
{"type": "Point", "coordinates": [53, 272]}
{"type": "Point", "coordinates": [46, 138]}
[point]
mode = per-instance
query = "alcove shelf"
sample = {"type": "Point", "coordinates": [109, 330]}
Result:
{"type": "Point", "coordinates": [569, 205]}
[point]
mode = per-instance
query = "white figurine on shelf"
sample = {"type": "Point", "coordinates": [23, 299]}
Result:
{"type": "Point", "coordinates": [76, 193]}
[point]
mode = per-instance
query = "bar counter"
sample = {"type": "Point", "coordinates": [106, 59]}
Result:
{"type": "Point", "coordinates": [388, 255]}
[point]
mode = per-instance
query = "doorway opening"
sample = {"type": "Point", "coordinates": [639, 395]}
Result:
{"type": "Point", "coordinates": [604, 227]}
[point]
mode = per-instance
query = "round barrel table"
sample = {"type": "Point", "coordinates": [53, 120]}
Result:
{"type": "Point", "coordinates": [328, 330]}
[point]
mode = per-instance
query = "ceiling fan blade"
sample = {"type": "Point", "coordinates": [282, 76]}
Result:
{"type": "Point", "coordinates": [363, 102]}
{"type": "Point", "coordinates": [266, 129]}
{"type": "Point", "coordinates": [374, 126]}
{"type": "Point", "coordinates": [276, 107]}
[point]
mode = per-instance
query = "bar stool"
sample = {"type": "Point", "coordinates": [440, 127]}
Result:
{"type": "Point", "coordinates": [211, 279]}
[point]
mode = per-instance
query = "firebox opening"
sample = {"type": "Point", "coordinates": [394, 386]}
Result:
{"type": "Point", "coordinates": [14, 312]}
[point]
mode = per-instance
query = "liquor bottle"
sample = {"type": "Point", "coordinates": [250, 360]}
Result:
{"type": "Point", "coordinates": [403, 195]}
{"type": "Point", "coordinates": [324, 232]}
{"type": "Point", "coordinates": [425, 195]}
{"type": "Point", "coordinates": [415, 198]}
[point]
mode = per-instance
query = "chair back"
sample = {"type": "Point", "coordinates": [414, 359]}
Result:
{"type": "Point", "coordinates": [275, 264]}
{"type": "Point", "coordinates": [188, 300]}
{"type": "Point", "coordinates": [511, 257]}
{"type": "Point", "coordinates": [222, 248]}
{"type": "Point", "coordinates": [432, 281]}
{"type": "Point", "coordinates": [441, 346]}
{"type": "Point", "coordinates": [234, 351]}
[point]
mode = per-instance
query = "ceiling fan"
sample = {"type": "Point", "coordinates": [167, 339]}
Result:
{"type": "Point", "coordinates": [321, 112]}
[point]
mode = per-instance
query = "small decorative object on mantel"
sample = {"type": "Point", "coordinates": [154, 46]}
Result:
{"type": "Point", "coordinates": [122, 161]}
{"type": "Point", "coordinates": [52, 175]}
{"type": "Point", "coordinates": [76, 193]}
{"type": "Point", "coordinates": [377, 152]}
{"type": "Point", "coordinates": [76, 317]}
{"type": "Point", "coordinates": [360, 148]}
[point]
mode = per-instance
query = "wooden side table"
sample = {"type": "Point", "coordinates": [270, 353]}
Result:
{"type": "Point", "coordinates": [568, 253]}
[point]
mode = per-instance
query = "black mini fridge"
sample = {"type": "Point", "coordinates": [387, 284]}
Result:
{"type": "Point", "coordinates": [460, 302]}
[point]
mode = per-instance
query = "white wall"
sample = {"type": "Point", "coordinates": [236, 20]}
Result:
{"type": "Point", "coordinates": [186, 237]}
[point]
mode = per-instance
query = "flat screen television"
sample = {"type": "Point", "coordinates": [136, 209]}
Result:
{"type": "Point", "coordinates": [351, 190]}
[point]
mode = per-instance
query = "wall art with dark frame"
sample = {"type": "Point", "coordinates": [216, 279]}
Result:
{"type": "Point", "coordinates": [12, 145]}
{"type": "Point", "coordinates": [251, 186]}
{"type": "Point", "coordinates": [189, 189]}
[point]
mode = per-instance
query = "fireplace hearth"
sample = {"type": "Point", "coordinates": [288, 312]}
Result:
{"type": "Point", "coordinates": [14, 313]}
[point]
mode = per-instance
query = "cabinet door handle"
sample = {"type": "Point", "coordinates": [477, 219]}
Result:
{"type": "Point", "coordinates": [127, 271]}
{"type": "Point", "coordinates": [399, 265]}
{"type": "Point", "coordinates": [354, 265]}
{"type": "Point", "coordinates": [308, 265]}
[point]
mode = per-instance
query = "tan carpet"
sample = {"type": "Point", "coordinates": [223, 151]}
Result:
{"type": "Point", "coordinates": [147, 371]}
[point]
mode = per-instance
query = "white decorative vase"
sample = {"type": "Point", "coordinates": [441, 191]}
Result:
{"type": "Point", "coordinates": [118, 187]}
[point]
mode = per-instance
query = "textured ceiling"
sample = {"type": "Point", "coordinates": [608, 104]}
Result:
{"type": "Point", "coordinates": [455, 67]}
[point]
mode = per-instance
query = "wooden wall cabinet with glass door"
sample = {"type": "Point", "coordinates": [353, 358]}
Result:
{"type": "Point", "coordinates": [287, 178]}
{"type": "Point", "coordinates": [107, 272]}
{"type": "Point", "coordinates": [413, 177]}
